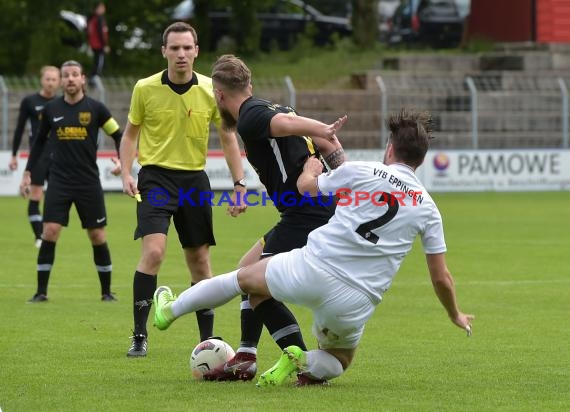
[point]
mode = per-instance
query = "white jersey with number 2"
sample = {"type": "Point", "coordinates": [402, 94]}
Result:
{"type": "Point", "coordinates": [381, 212]}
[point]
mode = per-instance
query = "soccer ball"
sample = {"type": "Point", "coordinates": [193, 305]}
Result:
{"type": "Point", "coordinates": [208, 355]}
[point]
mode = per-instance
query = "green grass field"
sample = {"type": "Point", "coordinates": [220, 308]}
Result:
{"type": "Point", "coordinates": [508, 254]}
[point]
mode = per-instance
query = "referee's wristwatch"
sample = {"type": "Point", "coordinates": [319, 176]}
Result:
{"type": "Point", "coordinates": [240, 182]}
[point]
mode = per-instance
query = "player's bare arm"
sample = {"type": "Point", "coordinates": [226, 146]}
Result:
{"type": "Point", "coordinates": [444, 287]}
{"type": "Point", "coordinates": [331, 150]}
{"type": "Point", "coordinates": [230, 147]}
{"type": "Point", "coordinates": [127, 153]}
{"type": "Point", "coordinates": [286, 125]}
{"type": "Point", "coordinates": [307, 181]}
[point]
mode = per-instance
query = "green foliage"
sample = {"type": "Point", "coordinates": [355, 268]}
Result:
{"type": "Point", "coordinates": [505, 253]}
{"type": "Point", "coordinates": [33, 34]}
{"type": "Point", "coordinates": [246, 29]}
{"type": "Point", "coordinates": [479, 45]}
{"type": "Point", "coordinates": [14, 25]}
{"type": "Point", "coordinates": [365, 22]}
{"type": "Point", "coordinates": [202, 23]}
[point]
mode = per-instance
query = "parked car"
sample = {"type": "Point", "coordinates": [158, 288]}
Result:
{"type": "Point", "coordinates": [386, 9]}
{"type": "Point", "coordinates": [75, 25]}
{"type": "Point", "coordinates": [436, 23]}
{"type": "Point", "coordinates": [281, 23]}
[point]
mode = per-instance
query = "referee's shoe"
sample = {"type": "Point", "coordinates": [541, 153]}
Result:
{"type": "Point", "coordinates": [138, 346]}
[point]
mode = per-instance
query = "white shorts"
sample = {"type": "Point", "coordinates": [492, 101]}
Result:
{"type": "Point", "coordinates": [339, 311]}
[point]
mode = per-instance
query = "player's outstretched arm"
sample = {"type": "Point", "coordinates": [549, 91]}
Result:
{"type": "Point", "coordinates": [444, 287]}
{"type": "Point", "coordinates": [286, 125]}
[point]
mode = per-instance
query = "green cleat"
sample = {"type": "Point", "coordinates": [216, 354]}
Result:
{"type": "Point", "coordinates": [292, 360]}
{"type": "Point", "coordinates": [162, 299]}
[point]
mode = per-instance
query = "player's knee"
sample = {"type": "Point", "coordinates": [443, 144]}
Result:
{"type": "Point", "coordinates": [96, 236]}
{"type": "Point", "coordinates": [251, 280]}
{"type": "Point", "coordinates": [51, 232]}
{"type": "Point", "coordinates": [36, 192]}
{"type": "Point", "coordinates": [153, 255]}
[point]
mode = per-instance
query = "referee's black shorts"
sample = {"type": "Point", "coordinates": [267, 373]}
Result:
{"type": "Point", "coordinates": [178, 194]}
{"type": "Point", "coordinates": [88, 199]}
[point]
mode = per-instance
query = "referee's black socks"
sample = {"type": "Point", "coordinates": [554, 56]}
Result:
{"type": "Point", "coordinates": [143, 290]}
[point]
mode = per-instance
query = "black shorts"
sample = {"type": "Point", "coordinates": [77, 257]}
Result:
{"type": "Point", "coordinates": [40, 170]}
{"type": "Point", "coordinates": [178, 194]}
{"type": "Point", "coordinates": [89, 202]}
{"type": "Point", "coordinates": [290, 233]}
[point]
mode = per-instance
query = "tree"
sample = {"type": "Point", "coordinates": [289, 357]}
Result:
{"type": "Point", "coordinates": [15, 42]}
{"type": "Point", "coordinates": [365, 22]}
{"type": "Point", "coordinates": [246, 28]}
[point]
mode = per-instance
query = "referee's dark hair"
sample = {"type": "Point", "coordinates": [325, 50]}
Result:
{"type": "Point", "coordinates": [179, 27]}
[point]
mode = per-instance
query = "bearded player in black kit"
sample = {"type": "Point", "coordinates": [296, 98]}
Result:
{"type": "Point", "coordinates": [72, 124]}
{"type": "Point", "coordinates": [277, 142]}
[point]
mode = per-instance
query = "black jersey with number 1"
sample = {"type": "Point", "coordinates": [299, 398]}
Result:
{"type": "Point", "coordinates": [72, 130]}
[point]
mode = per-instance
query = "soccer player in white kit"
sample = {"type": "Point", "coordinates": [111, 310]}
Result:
{"type": "Point", "coordinates": [347, 264]}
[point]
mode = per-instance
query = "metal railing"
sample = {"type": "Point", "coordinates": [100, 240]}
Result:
{"type": "Point", "coordinates": [490, 110]}
{"type": "Point", "coordinates": [479, 111]}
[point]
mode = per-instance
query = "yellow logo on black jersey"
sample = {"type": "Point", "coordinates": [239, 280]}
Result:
{"type": "Point", "coordinates": [71, 133]}
{"type": "Point", "coordinates": [84, 118]}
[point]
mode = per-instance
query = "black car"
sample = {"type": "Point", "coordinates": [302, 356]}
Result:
{"type": "Point", "coordinates": [436, 23]}
{"type": "Point", "coordinates": [281, 23]}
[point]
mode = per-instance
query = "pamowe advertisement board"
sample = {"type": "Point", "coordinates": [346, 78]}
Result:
{"type": "Point", "coordinates": [442, 171]}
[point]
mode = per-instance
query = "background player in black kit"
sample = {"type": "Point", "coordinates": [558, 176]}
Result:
{"type": "Point", "coordinates": [72, 123]}
{"type": "Point", "coordinates": [277, 144]}
{"type": "Point", "coordinates": [31, 108]}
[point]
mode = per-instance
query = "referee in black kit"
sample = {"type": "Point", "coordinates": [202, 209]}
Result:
{"type": "Point", "coordinates": [72, 123]}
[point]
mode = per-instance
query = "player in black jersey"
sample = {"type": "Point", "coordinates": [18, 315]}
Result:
{"type": "Point", "coordinates": [31, 108]}
{"type": "Point", "coordinates": [72, 124]}
{"type": "Point", "coordinates": [277, 143]}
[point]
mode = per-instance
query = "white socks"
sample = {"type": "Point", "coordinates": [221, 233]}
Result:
{"type": "Point", "coordinates": [207, 294]}
{"type": "Point", "coordinates": [322, 365]}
